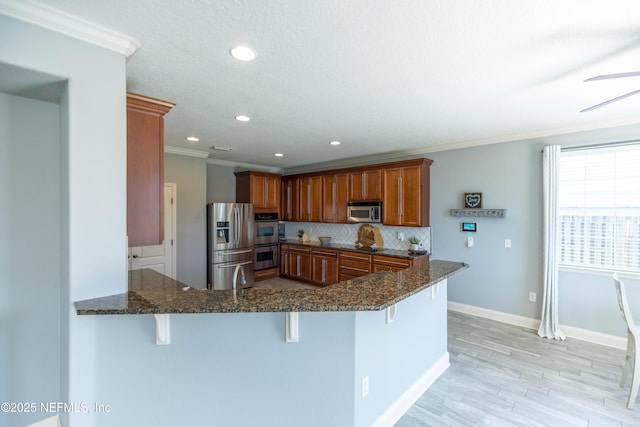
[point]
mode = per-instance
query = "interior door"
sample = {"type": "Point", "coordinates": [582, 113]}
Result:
{"type": "Point", "coordinates": [160, 258]}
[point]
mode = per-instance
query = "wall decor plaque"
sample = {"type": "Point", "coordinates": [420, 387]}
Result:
{"type": "Point", "coordinates": [473, 200]}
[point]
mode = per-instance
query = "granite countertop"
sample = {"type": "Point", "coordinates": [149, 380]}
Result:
{"type": "Point", "coordinates": [153, 293]}
{"type": "Point", "coordinates": [396, 253]}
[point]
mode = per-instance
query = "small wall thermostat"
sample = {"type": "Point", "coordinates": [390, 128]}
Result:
{"type": "Point", "coordinates": [469, 226]}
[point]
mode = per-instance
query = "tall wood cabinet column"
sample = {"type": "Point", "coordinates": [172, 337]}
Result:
{"type": "Point", "coordinates": [145, 169]}
{"type": "Point", "coordinates": [406, 193]}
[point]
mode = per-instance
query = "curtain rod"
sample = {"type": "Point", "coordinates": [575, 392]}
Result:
{"type": "Point", "coordinates": [600, 145]}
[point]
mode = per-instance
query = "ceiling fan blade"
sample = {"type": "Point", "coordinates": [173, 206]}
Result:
{"type": "Point", "coordinates": [614, 76]}
{"type": "Point", "coordinates": [618, 98]}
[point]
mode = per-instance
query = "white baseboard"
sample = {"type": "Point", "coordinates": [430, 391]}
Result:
{"type": "Point", "coordinates": [49, 422]}
{"type": "Point", "coordinates": [413, 393]}
{"type": "Point", "coordinates": [526, 322]}
{"type": "Point", "coordinates": [595, 337]}
{"type": "Point", "coordinates": [499, 316]}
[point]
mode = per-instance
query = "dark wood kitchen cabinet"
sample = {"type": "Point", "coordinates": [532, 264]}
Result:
{"type": "Point", "coordinates": [300, 263]}
{"type": "Point", "coordinates": [402, 187]}
{"type": "Point", "coordinates": [145, 169]}
{"type": "Point", "coordinates": [310, 199]}
{"type": "Point", "coordinates": [335, 194]}
{"type": "Point", "coordinates": [386, 263]}
{"type": "Point", "coordinates": [365, 185]}
{"type": "Point", "coordinates": [324, 266]}
{"type": "Point", "coordinates": [284, 260]}
{"type": "Point", "coordinates": [353, 264]}
{"type": "Point", "coordinates": [260, 188]}
{"type": "Point", "coordinates": [406, 194]}
{"type": "Point", "coordinates": [289, 199]}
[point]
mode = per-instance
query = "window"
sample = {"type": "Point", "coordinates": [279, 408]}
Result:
{"type": "Point", "coordinates": [599, 208]}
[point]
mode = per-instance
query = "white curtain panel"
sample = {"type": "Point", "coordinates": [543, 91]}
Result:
{"type": "Point", "coordinates": [549, 324]}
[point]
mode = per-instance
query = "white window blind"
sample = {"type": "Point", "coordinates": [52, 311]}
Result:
{"type": "Point", "coordinates": [599, 207]}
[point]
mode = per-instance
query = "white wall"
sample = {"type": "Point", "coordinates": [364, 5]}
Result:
{"type": "Point", "coordinates": [396, 355]}
{"type": "Point", "coordinates": [93, 189]}
{"type": "Point", "coordinates": [510, 176]}
{"type": "Point", "coordinates": [190, 175]}
{"type": "Point", "coordinates": [226, 370]}
{"type": "Point", "coordinates": [221, 184]}
{"type": "Point", "coordinates": [29, 254]}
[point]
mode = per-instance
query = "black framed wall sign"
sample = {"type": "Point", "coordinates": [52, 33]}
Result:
{"type": "Point", "coordinates": [473, 200]}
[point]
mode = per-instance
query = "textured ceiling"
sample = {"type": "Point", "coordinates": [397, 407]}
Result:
{"type": "Point", "coordinates": [380, 76]}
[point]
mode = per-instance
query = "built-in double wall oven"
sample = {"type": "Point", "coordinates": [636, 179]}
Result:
{"type": "Point", "coordinates": [267, 249]}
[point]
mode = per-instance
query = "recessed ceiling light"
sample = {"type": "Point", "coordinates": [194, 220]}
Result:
{"type": "Point", "coordinates": [243, 118]}
{"type": "Point", "coordinates": [243, 53]}
{"type": "Point", "coordinates": [279, 155]}
{"type": "Point", "coordinates": [335, 143]}
{"type": "Point", "coordinates": [193, 139]}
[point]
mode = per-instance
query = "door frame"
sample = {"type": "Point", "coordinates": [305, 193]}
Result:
{"type": "Point", "coordinates": [174, 226]}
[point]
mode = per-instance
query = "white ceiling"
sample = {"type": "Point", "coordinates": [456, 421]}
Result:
{"type": "Point", "coordinates": [380, 76]}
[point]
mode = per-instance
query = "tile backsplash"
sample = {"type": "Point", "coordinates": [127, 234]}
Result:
{"type": "Point", "coordinates": [348, 233]}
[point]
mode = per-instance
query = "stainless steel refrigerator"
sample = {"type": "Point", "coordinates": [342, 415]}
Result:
{"type": "Point", "coordinates": [230, 238]}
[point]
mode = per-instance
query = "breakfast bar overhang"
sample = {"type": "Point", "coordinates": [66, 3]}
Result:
{"type": "Point", "coordinates": [364, 350]}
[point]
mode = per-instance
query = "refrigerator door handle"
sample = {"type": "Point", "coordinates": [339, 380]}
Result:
{"type": "Point", "coordinates": [235, 227]}
{"type": "Point", "coordinates": [238, 268]}
{"type": "Point", "coordinates": [232, 252]}
{"type": "Point", "coordinates": [234, 265]}
{"type": "Point", "coordinates": [235, 277]}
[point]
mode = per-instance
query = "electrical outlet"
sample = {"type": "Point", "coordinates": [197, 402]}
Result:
{"type": "Point", "coordinates": [507, 243]}
{"type": "Point", "coordinates": [365, 386]}
{"type": "Point", "coordinates": [532, 296]}
{"type": "Point", "coordinates": [400, 236]}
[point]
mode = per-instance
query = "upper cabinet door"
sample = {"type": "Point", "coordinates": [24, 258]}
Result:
{"type": "Point", "coordinates": [310, 199]}
{"type": "Point", "coordinates": [392, 206]}
{"type": "Point", "coordinates": [406, 195]}
{"type": "Point", "coordinates": [365, 185]}
{"type": "Point", "coordinates": [335, 190]}
{"type": "Point", "coordinates": [271, 191]}
{"type": "Point", "coordinates": [145, 169]}
{"type": "Point", "coordinates": [260, 188]}
{"type": "Point", "coordinates": [289, 199]}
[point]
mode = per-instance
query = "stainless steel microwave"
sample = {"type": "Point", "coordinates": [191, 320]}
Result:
{"type": "Point", "coordinates": [364, 212]}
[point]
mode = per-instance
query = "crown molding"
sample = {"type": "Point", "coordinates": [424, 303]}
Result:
{"type": "Point", "coordinates": [422, 151]}
{"type": "Point", "coordinates": [186, 152]}
{"type": "Point", "coordinates": [355, 161]}
{"type": "Point", "coordinates": [205, 154]}
{"type": "Point", "coordinates": [64, 23]}
{"type": "Point", "coordinates": [245, 166]}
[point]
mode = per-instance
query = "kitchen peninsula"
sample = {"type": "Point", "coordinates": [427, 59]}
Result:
{"type": "Point", "coordinates": [363, 350]}
{"type": "Point", "coordinates": [153, 293]}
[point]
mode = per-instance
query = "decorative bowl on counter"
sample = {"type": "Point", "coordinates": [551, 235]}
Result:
{"type": "Point", "coordinates": [324, 240]}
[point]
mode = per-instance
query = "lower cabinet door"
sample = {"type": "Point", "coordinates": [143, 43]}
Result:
{"type": "Point", "coordinates": [324, 270]}
{"type": "Point", "coordinates": [300, 265]}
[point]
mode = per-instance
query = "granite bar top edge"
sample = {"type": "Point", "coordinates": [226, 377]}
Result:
{"type": "Point", "coordinates": [153, 293]}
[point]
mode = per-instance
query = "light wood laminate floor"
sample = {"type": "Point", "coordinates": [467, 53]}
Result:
{"type": "Point", "coordinates": [504, 375]}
